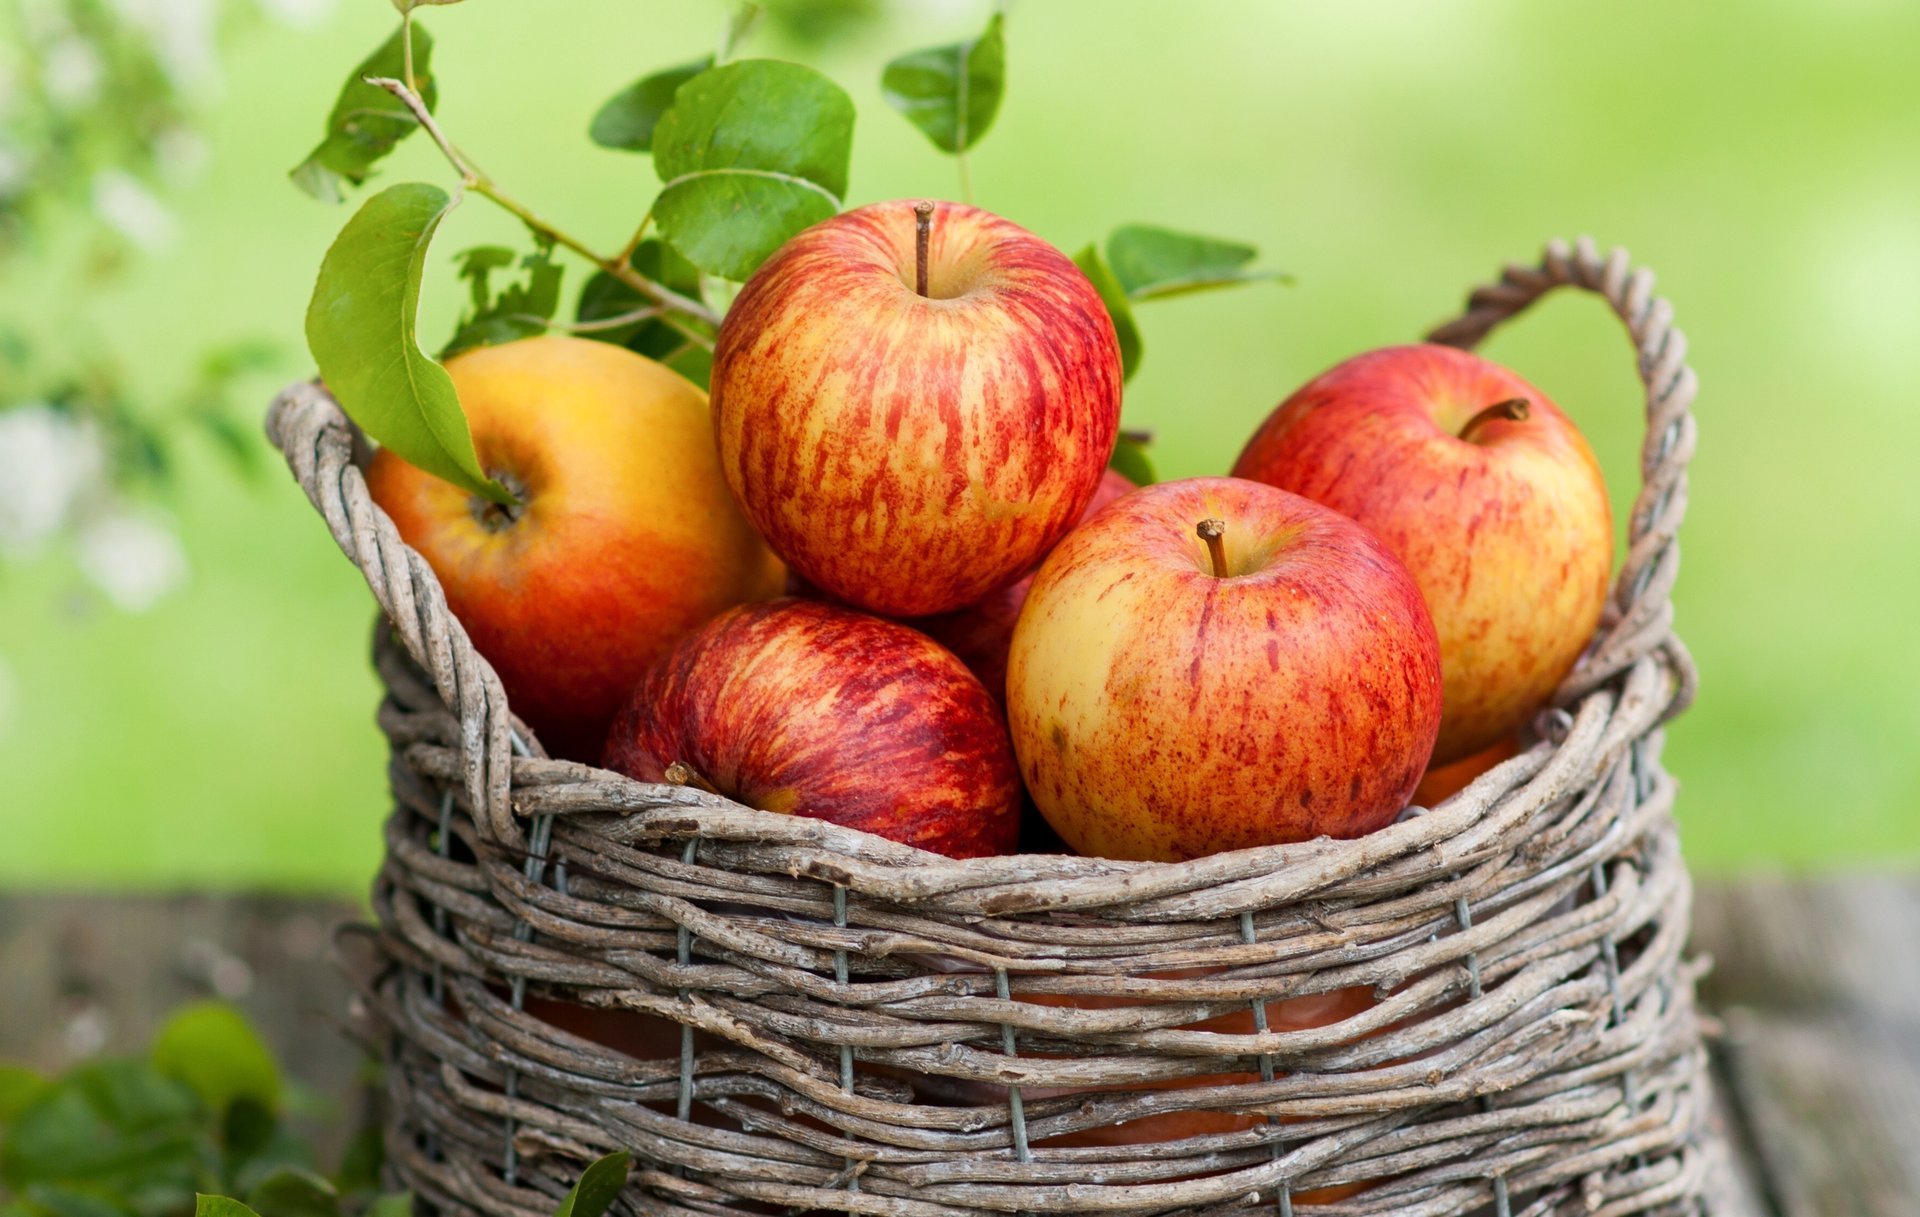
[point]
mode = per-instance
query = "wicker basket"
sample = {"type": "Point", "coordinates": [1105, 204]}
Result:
{"type": "Point", "coordinates": [1534, 1047]}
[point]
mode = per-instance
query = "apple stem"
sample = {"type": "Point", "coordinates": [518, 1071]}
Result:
{"type": "Point", "coordinates": [682, 774]}
{"type": "Point", "coordinates": [1214, 533]}
{"type": "Point", "coordinates": [922, 236]}
{"type": "Point", "coordinates": [1513, 409]}
{"type": "Point", "coordinates": [498, 517]}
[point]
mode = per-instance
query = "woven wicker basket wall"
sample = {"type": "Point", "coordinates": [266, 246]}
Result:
{"type": "Point", "coordinates": [867, 1028]}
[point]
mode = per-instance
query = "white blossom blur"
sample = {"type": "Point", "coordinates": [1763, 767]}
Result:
{"type": "Point", "coordinates": [71, 71]}
{"type": "Point", "coordinates": [299, 14]}
{"type": "Point", "coordinates": [182, 34]}
{"type": "Point", "coordinates": [50, 463]}
{"type": "Point", "coordinates": [181, 153]}
{"type": "Point", "coordinates": [134, 559]}
{"type": "Point", "coordinates": [132, 210]}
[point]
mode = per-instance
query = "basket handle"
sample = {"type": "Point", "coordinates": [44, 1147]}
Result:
{"type": "Point", "coordinates": [1639, 616]}
{"type": "Point", "coordinates": [311, 430]}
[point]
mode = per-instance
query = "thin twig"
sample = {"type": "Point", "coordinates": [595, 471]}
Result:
{"type": "Point", "coordinates": [639, 235]}
{"type": "Point", "coordinates": [424, 117]}
{"type": "Point", "coordinates": [482, 185]}
{"type": "Point", "coordinates": [599, 323]}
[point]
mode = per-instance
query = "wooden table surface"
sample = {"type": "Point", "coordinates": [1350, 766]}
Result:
{"type": "Point", "coordinates": [1816, 982]}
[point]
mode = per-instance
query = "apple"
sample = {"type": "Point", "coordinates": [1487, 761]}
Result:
{"type": "Point", "coordinates": [981, 634]}
{"type": "Point", "coordinates": [1442, 782]}
{"type": "Point", "coordinates": [623, 536]}
{"type": "Point", "coordinates": [913, 404]}
{"type": "Point", "coordinates": [1214, 664]}
{"type": "Point", "coordinates": [1485, 490]}
{"type": "Point", "coordinates": [801, 707]}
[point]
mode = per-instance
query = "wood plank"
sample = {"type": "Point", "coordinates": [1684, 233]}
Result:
{"type": "Point", "coordinates": [1819, 984]}
{"type": "Point", "coordinates": [87, 974]}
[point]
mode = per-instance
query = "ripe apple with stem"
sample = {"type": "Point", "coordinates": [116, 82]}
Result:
{"type": "Point", "coordinates": [1487, 492]}
{"type": "Point", "coordinates": [1213, 664]}
{"type": "Point", "coordinates": [621, 536]}
{"type": "Point", "coordinates": [806, 708]}
{"type": "Point", "coordinates": [913, 403]}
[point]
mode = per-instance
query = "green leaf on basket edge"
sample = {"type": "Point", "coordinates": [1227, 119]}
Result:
{"type": "Point", "coordinates": [367, 121]}
{"type": "Point", "coordinates": [1151, 262]}
{"type": "Point", "coordinates": [751, 153]}
{"type": "Point", "coordinates": [517, 310]}
{"type": "Point", "coordinates": [212, 1048]}
{"type": "Point", "coordinates": [599, 1184]}
{"type": "Point", "coordinates": [951, 92]}
{"type": "Point", "coordinates": [219, 1206]}
{"type": "Point", "coordinates": [362, 329]}
{"type": "Point", "coordinates": [1114, 297]}
{"type": "Point", "coordinates": [626, 120]}
{"type": "Point", "coordinates": [391, 1204]}
{"type": "Point", "coordinates": [1130, 460]}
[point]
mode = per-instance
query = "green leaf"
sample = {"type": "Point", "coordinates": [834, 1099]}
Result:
{"type": "Point", "coordinates": [211, 1047]}
{"type": "Point", "coordinates": [219, 1206]}
{"type": "Point", "coordinates": [605, 298]}
{"type": "Point", "coordinates": [1130, 460]}
{"type": "Point", "coordinates": [288, 1191]}
{"type": "Point", "coordinates": [111, 1124]}
{"type": "Point", "coordinates": [1152, 262]}
{"type": "Point", "coordinates": [19, 1087]}
{"type": "Point", "coordinates": [361, 1161]}
{"type": "Point", "coordinates": [1114, 297]}
{"type": "Point", "coordinates": [951, 92]}
{"type": "Point", "coordinates": [519, 310]}
{"type": "Point", "coordinates": [247, 1129]}
{"type": "Point", "coordinates": [627, 119]}
{"type": "Point", "coordinates": [367, 121]}
{"type": "Point", "coordinates": [599, 1184]}
{"type": "Point", "coordinates": [751, 153]}
{"type": "Point", "coordinates": [76, 1199]}
{"type": "Point", "coordinates": [392, 1204]}
{"type": "Point", "coordinates": [361, 327]}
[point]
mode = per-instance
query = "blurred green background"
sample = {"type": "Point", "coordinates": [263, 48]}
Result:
{"type": "Point", "coordinates": [1765, 160]}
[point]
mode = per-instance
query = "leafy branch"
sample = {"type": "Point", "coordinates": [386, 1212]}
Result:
{"type": "Point", "coordinates": [479, 183]}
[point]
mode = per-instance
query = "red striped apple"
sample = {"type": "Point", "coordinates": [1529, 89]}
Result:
{"type": "Point", "coordinates": [982, 633]}
{"type": "Point", "coordinates": [811, 709]}
{"type": "Point", "coordinates": [1214, 664]}
{"type": "Point", "coordinates": [1485, 490]}
{"type": "Point", "coordinates": [913, 409]}
{"type": "Point", "coordinates": [623, 538]}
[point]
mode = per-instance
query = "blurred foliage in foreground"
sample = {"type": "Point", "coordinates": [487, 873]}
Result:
{"type": "Point", "coordinates": [197, 1126]}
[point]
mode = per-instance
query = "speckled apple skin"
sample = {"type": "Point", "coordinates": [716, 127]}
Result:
{"type": "Point", "coordinates": [982, 634]}
{"type": "Point", "coordinates": [1509, 536]}
{"type": "Point", "coordinates": [907, 454]}
{"type": "Point", "coordinates": [629, 538]}
{"type": "Point", "coordinates": [812, 709]}
{"type": "Point", "coordinates": [1161, 713]}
